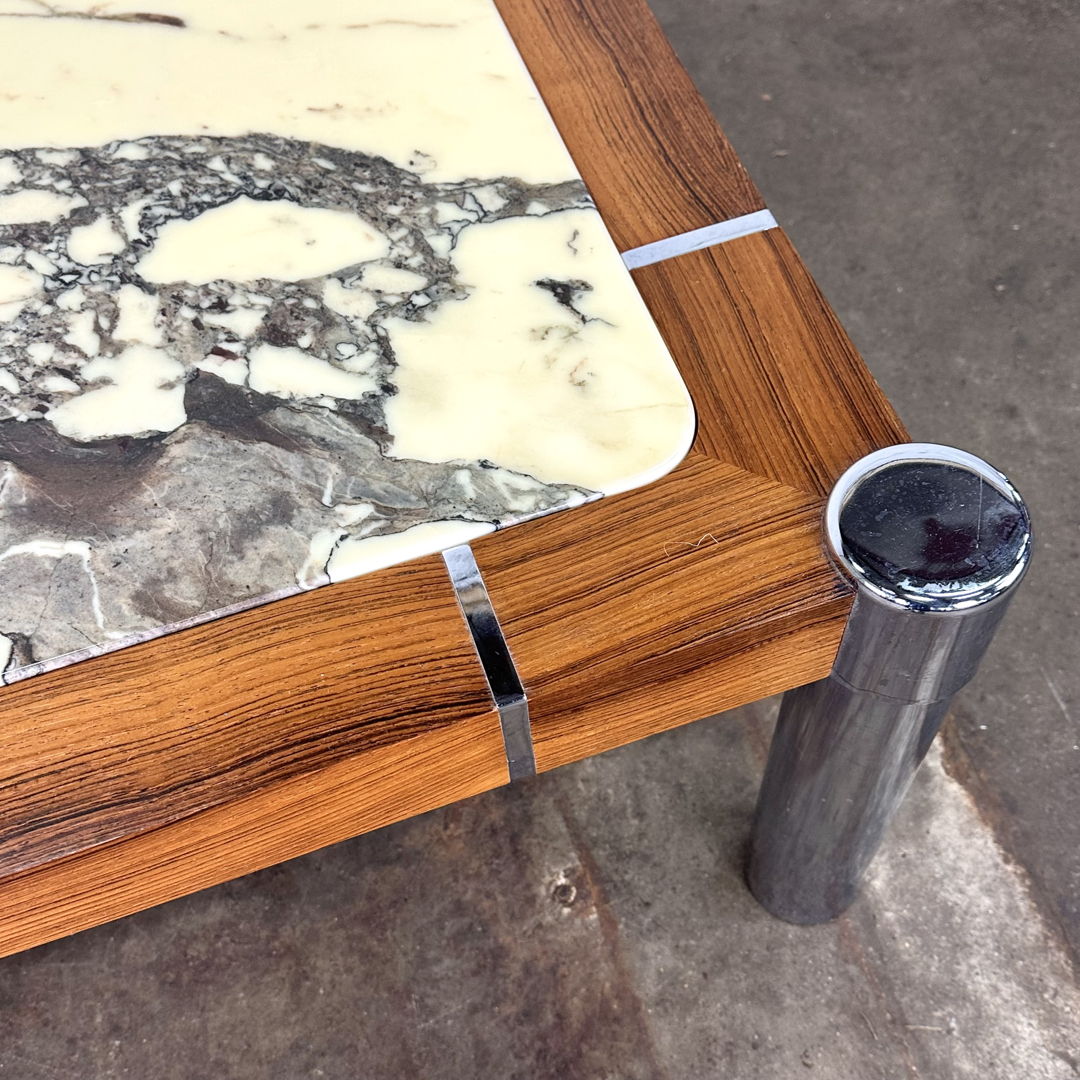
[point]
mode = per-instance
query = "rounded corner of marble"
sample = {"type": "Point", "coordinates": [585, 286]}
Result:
{"type": "Point", "coordinates": [266, 454]}
{"type": "Point", "coordinates": [668, 464]}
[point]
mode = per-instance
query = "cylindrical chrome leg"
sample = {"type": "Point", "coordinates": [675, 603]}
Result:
{"type": "Point", "coordinates": [936, 541]}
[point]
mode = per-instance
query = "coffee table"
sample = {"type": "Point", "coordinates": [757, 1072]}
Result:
{"type": "Point", "coordinates": [135, 777]}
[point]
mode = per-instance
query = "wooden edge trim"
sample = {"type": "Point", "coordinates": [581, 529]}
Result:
{"type": "Point", "coordinates": [655, 608]}
{"type": "Point", "coordinates": [779, 389]}
{"type": "Point", "coordinates": [136, 739]}
{"type": "Point", "coordinates": [639, 132]}
{"type": "Point", "coordinates": [784, 657]}
{"type": "Point", "coordinates": [265, 827]}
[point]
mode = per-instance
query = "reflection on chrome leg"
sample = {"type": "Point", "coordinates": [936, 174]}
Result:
{"type": "Point", "coordinates": [935, 541]}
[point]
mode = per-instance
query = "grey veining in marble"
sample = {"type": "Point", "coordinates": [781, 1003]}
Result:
{"type": "Point", "coordinates": [239, 363]}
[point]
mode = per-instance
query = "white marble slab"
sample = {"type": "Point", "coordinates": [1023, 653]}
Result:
{"type": "Point", "coordinates": [290, 292]}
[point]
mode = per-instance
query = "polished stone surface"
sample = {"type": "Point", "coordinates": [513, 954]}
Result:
{"type": "Point", "coordinates": [594, 923]}
{"type": "Point", "coordinates": [926, 524]}
{"type": "Point", "coordinates": [344, 303]}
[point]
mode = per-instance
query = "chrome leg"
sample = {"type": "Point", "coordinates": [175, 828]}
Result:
{"type": "Point", "coordinates": [936, 541]}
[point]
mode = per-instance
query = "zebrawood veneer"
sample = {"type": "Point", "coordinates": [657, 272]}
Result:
{"type": "Point", "coordinates": [263, 827]}
{"type": "Point", "coordinates": [778, 387]}
{"type": "Point", "coordinates": [141, 737]}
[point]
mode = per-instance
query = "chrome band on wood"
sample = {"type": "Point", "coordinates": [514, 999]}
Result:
{"type": "Point", "coordinates": [696, 239]}
{"type": "Point", "coordinates": [495, 659]}
{"type": "Point", "coordinates": [936, 542]}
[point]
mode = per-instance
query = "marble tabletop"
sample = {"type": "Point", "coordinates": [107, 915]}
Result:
{"type": "Point", "coordinates": [289, 293]}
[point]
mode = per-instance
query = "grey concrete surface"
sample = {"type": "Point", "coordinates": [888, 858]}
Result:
{"type": "Point", "coordinates": [593, 923]}
{"type": "Point", "coordinates": [923, 157]}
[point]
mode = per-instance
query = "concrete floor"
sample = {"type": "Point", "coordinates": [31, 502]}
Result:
{"type": "Point", "coordinates": [923, 157]}
{"type": "Point", "coordinates": [593, 923]}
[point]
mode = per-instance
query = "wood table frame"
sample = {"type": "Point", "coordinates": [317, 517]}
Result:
{"type": "Point", "coordinates": [173, 765]}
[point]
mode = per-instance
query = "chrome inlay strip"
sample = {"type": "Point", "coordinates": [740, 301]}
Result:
{"type": "Point", "coordinates": [686, 242]}
{"type": "Point", "coordinates": [499, 670]}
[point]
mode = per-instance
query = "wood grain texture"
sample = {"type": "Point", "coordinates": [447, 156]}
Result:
{"type": "Point", "coordinates": [277, 822]}
{"type": "Point", "coordinates": [643, 139]}
{"type": "Point", "coordinates": [703, 591]}
{"type": "Point", "coordinates": [778, 387]}
{"type": "Point", "coordinates": [130, 741]}
{"type": "Point", "coordinates": [710, 588]}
